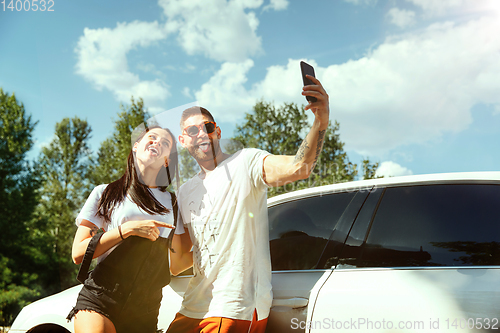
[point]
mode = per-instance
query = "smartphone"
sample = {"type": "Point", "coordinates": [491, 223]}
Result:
{"type": "Point", "coordinates": [307, 69]}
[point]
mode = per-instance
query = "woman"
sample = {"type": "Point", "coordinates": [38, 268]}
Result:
{"type": "Point", "coordinates": [123, 293]}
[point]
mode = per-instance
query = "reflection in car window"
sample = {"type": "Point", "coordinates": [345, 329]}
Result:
{"type": "Point", "coordinates": [438, 225]}
{"type": "Point", "coordinates": [357, 235]}
{"type": "Point", "coordinates": [333, 248]}
{"type": "Point", "coordinates": [299, 230]}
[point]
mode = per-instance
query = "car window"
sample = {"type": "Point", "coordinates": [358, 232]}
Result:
{"type": "Point", "coordinates": [357, 235]}
{"type": "Point", "coordinates": [300, 229]}
{"type": "Point", "coordinates": [435, 225]}
{"type": "Point", "coordinates": [335, 245]}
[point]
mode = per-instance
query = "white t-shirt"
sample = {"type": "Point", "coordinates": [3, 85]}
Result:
{"type": "Point", "coordinates": [127, 211]}
{"type": "Point", "coordinates": [226, 215]}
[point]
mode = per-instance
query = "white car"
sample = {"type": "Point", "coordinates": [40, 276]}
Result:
{"type": "Point", "coordinates": [409, 254]}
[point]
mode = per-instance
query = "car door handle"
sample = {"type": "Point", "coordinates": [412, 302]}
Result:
{"type": "Point", "coordinates": [294, 303]}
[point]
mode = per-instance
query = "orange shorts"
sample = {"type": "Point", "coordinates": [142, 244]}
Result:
{"type": "Point", "coordinates": [183, 324]}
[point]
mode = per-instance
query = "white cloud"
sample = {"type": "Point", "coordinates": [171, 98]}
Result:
{"type": "Point", "coordinates": [45, 143]}
{"type": "Point", "coordinates": [187, 92]}
{"type": "Point", "coordinates": [410, 89]}
{"type": "Point", "coordinates": [401, 17]}
{"type": "Point", "coordinates": [150, 68]}
{"type": "Point", "coordinates": [432, 8]}
{"type": "Point", "coordinates": [102, 60]}
{"type": "Point", "coordinates": [277, 5]}
{"type": "Point", "coordinates": [414, 89]}
{"type": "Point", "coordinates": [362, 2]}
{"type": "Point", "coordinates": [497, 109]}
{"type": "Point", "coordinates": [282, 83]}
{"type": "Point", "coordinates": [224, 94]}
{"type": "Point", "coordinates": [190, 68]}
{"type": "Point", "coordinates": [219, 29]}
{"type": "Point", "coordinates": [392, 169]}
{"type": "Point", "coordinates": [439, 7]}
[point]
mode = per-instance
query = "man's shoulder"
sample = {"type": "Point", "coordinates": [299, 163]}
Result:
{"type": "Point", "coordinates": [250, 153]}
{"type": "Point", "coordinates": [254, 151]}
{"type": "Point", "coordinates": [187, 184]}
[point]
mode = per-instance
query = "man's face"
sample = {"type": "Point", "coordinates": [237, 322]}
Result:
{"type": "Point", "coordinates": [203, 146]}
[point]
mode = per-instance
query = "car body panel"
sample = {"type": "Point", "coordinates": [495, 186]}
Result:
{"type": "Point", "coordinates": [489, 177]}
{"type": "Point", "coordinates": [52, 309]}
{"type": "Point", "coordinates": [430, 297]}
{"type": "Point", "coordinates": [297, 286]}
{"type": "Point", "coordinates": [172, 299]}
{"type": "Point", "coordinates": [340, 291]}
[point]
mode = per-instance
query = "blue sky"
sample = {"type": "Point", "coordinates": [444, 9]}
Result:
{"type": "Point", "coordinates": [414, 84]}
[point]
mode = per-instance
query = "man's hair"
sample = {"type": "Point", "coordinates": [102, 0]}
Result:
{"type": "Point", "coordinates": [194, 111]}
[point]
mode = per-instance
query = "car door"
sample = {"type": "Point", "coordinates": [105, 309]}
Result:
{"type": "Point", "coordinates": [300, 230]}
{"type": "Point", "coordinates": [418, 258]}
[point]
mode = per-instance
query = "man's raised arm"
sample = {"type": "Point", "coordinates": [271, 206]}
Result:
{"type": "Point", "coordinates": [280, 169]}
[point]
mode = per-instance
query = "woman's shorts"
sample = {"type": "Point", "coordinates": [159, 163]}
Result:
{"type": "Point", "coordinates": [128, 315]}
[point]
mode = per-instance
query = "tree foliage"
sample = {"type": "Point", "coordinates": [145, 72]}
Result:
{"type": "Point", "coordinates": [64, 166]}
{"type": "Point", "coordinates": [188, 167]}
{"type": "Point", "coordinates": [281, 130]}
{"type": "Point", "coordinates": [18, 199]}
{"type": "Point", "coordinates": [14, 295]}
{"type": "Point", "coordinates": [370, 170]}
{"type": "Point", "coordinates": [113, 152]}
{"type": "Point", "coordinates": [16, 181]}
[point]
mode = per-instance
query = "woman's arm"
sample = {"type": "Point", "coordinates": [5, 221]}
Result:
{"type": "Point", "coordinates": [182, 259]}
{"type": "Point", "coordinates": [146, 229]}
{"type": "Point", "coordinates": [84, 233]}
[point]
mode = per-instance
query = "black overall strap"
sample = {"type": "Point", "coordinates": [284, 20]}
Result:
{"type": "Point", "coordinates": [87, 258]}
{"type": "Point", "coordinates": [175, 211]}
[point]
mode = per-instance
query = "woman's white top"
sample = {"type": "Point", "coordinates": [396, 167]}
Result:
{"type": "Point", "coordinates": [127, 210]}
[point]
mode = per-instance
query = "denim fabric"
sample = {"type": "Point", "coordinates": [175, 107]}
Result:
{"type": "Point", "coordinates": [126, 286]}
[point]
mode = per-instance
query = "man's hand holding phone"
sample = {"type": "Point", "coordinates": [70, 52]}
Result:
{"type": "Point", "coordinates": [314, 93]}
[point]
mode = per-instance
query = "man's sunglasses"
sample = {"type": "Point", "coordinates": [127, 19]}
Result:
{"type": "Point", "coordinates": [208, 127]}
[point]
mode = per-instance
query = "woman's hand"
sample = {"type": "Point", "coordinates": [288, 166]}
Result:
{"type": "Point", "coordinates": [144, 228]}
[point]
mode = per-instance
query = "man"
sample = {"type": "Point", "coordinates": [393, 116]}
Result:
{"type": "Point", "coordinates": [224, 209]}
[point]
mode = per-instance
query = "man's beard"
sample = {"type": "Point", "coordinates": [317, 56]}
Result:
{"type": "Point", "coordinates": [209, 155]}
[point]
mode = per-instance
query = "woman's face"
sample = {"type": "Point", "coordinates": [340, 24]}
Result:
{"type": "Point", "coordinates": [154, 148]}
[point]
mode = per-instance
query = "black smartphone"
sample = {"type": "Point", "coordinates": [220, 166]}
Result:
{"type": "Point", "coordinates": [309, 70]}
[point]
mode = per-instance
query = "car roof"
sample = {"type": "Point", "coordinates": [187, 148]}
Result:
{"type": "Point", "coordinates": [487, 177]}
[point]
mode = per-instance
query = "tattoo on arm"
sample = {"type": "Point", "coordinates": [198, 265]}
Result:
{"type": "Point", "coordinates": [302, 149]}
{"type": "Point", "coordinates": [93, 231]}
{"type": "Point", "coordinates": [319, 145]}
{"type": "Point", "coordinates": [301, 152]}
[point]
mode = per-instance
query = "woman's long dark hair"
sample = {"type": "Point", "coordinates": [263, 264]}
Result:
{"type": "Point", "coordinates": [130, 184]}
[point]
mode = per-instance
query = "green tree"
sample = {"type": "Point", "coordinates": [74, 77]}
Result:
{"type": "Point", "coordinates": [113, 152]}
{"type": "Point", "coordinates": [188, 166]}
{"type": "Point", "coordinates": [14, 297]}
{"type": "Point", "coordinates": [370, 170]}
{"type": "Point", "coordinates": [18, 200]}
{"type": "Point", "coordinates": [17, 189]}
{"type": "Point", "coordinates": [281, 130]}
{"type": "Point", "coordinates": [64, 166]}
